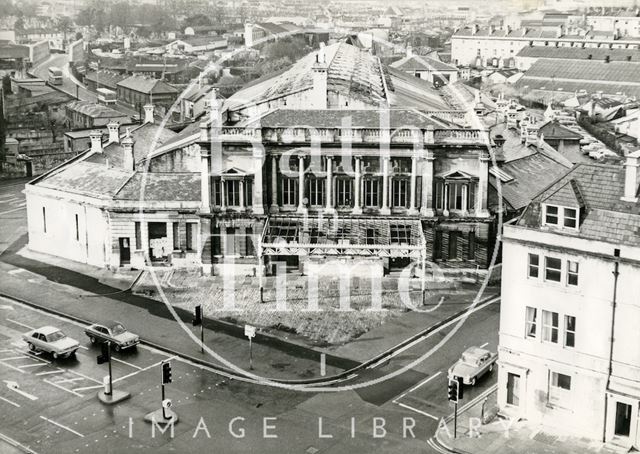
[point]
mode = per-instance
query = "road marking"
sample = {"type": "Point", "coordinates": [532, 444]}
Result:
{"type": "Point", "coordinates": [7, 307]}
{"type": "Point", "coordinates": [16, 444]}
{"type": "Point", "coordinates": [408, 407]}
{"type": "Point", "coordinates": [63, 388]}
{"type": "Point", "coordinates": [31, 365]}
{"type": "Point", "coordinates": [10, 402]}
{"type": "Point", "coordinates": [128, 364]}
{"type": "Point", "coordinates": [84, 376]}
{"type": "Point", "coordinates": [17, 270]}
{"type": "Point", "coordinates": [62, 427]}
{"type": "Point", "coordinates": [11, 211]}
{"type": "Point", "coordinates": [83, 347]}
{"type": "Point", "coordinates": [85, 388]}
{"type": "Point", "coordinates": [423, 382]}
{"type": "Point", "coordinates": [13, 386]}
{"type": "Point", "coordinates": [19, 323]}
{"type": "Point", "coordinates": [59, 371]}
{"type": "Point", "coordinates": [484, 345]}
{"type": "Point", "coordinates": [68, 380]}
{"type": "Point", "coordinates": [13, 357]}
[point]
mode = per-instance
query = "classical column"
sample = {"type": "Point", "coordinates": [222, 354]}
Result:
{"type": "Point", "coordinates": [274, 184]}
{"type": "Point", "coordinates": [465, 191]}
{"type": "Point", "coordinates": [357, 205]}
{"type": "Point", "coordinates": [241, 186]}
{"type": "Point", "coordinates": [445, 205]}
{"type": "Point", "coordinates": [329, 183]}
{"type": "Point", "coordinates": [385, 187]}
{"type": "Point", "coordinates": [427, 187]}
{"type": "Point", "coordinates": [257, 200]}
{"type": "Point", "coordinates": [482, 190]}
{"type": "Point", "coordinates": [301, 207]}
{"type": "Point", "coordinates": [412, 197]}
{"type": "Point", "coordinates": [222, 198]}
{"type": "Point", "coordinates": [205, 182]}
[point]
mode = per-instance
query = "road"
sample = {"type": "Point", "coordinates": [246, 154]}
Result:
{"type": "Point", "coordinates": [13, 213]}
{"type": "Point", "coordinates": [70, 85]}
{"type": "Point", "coordinates": [66, 416]}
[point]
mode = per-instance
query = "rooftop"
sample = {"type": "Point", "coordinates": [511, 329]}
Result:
{"type": "Point", "coordinates": [94, 110]}
{"type": "Point", "coordinates": [420, 63]}
{"type": "Point", "coordinates": [598, 188]}
{"type": "Point", "coordinates": [146, 85]}
{"type": "Point", "coordinates": [161, 187]}
{"type": "Point", "coordinates": [577, 53]}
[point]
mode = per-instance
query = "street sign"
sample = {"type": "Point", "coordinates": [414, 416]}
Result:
{"type": "Point", "coordinates": [249, 331]}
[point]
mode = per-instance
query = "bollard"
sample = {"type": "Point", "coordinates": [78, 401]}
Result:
{"type": "Point", "coordinates": [107, 384]}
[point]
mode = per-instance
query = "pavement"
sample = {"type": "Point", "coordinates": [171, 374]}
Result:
{"type": "Point", "coordinates": [12, 211]}
{"type": "Point", "coordinates": [486, 432]}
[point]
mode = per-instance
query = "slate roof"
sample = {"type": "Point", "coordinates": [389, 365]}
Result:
{"type": "Point", "coordinates": [332, 118]}
{"type": "Point", "coordinates": [146, 85]}
{"type": "Point", "coordinates": [554, 130]}
{"type": "Point", "coordinates": [87, 178]}
{"type": "Point", "coordinates": [11, 51]}
{"type": "Point", "coordinates": [421, 63]}
{"type": "Point", "coordinates": [143, 136]}
{"type": "Point", "coordinates": [606, 217]}
{"type": "Point", "coordinates": [168, 187]}
{"type": "Point", "coordinates": [94, 110]}
{"type": "Point", "coordinates": [531, 174]}
{"type": "Point", "coordinates": [590, 75]}
{"type": "Point", "coordinates": [577, 53]}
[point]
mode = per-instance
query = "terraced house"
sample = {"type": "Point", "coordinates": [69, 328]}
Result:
{"type": "Point", "coordinates": [338, 163]}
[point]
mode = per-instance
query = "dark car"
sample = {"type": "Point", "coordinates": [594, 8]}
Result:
{"type": "Point", "coordinates": [112, 331]}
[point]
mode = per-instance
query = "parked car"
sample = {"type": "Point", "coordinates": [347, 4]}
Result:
{"type": "Point", "coordinates": [112, 331]}
{"type": "Point", "coordinates": [51, 340]}
{"type": "Point", "coordinates": [474, 363]}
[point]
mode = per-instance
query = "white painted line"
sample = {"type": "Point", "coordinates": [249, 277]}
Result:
{"type": "Point", "coordinates": [31, 365]}
{"type": "Point", "coordinates": [12, 367]}
{"type": "Point", "coordinates": [484, 345]}
{"type": "Point", "coordinates": [10, 402]}
{"type": "Point", "coordinates": [63, 388]}
{"type": "Point", "coordinates": [408, 407]}
{"type": "Point", "coordinates": [17, 270]}
{"type": "Point", "coordinates": [84, 376]}
{"type": "Point", "coordinates": [6, 350]}
{"type": "Point", "coordinates": [13, 386]}
{"type": "Point", "coordinates": [16, 444]}
{"type": "Point", "coordinates": [11, 358]}
{"type": "Point", "coordinates": [11, 211]}
{"type": "Point", "coordinates": [62, 427]}
{"type": "Point", "coordinates": [83, 347]}
{"type": "Point", "coordinates": [59, 371]}
{"type": "Point", "coordinates": [85, 388]}
{"type": "Point", "coordinates": [423, 382]}
{"type": "Point", "coordinates": [67, 380]}
{"type": "Point", "coordinates": [128, 364]}
{"type": "Point", "coordinates": [19, 323]}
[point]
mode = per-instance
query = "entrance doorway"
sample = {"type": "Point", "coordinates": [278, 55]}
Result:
{"type": "Point", "coordinates": [623, 419]}
{"type": "Point", "coordinates": [158, 241]}
{"type": "Point", "coordinates": [125, 251]}
{"type": "Point", "coordinates": [513, 389]}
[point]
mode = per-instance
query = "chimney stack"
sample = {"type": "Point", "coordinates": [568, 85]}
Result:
{"type": "Point", "coordinates": [409, 51]}
{"type": "Point", "coordinates": [319, 90]}
{"type": "Point", "coordinates": [128, 159]}
{"type": "Point", "coordinates": [631, 177]}
{"type": "Point", "coordinates": [114, 131]}
{"type": "Point", "coordinates": [96, 141]}
{"type": "Point", "coordinates": [148, 113]}
{"type": "Point", "coordinates": [248, 34]}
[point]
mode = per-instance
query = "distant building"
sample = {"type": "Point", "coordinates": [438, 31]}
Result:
{"type": "Point", "coordinates": [86, 114]}
{"type": "Point", "coordinates": [138, 91]}
{"type": "Point", "coordinates": [563, 139]}
{"type": "Point", "coordinates": [531, 54]}
{"type": "Point", "coordinates": [570, 268]}
{"type": "Point", "coordinates": [194, 102]}
{"type": "Point", "coordinates": [427, 68]}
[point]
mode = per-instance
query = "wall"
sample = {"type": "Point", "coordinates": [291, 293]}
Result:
{"type": "Point", "coordinates": [60, 237]}
{"type": "Point", "coordinates": [590, 303]}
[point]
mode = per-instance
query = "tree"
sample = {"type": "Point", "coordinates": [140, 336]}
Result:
{"type": "Point", "coordinates": [6, 84]}
{"type": "Point", "coordinates": [197, 20]}
{"type": "Point", "coordinates": [65, 25]}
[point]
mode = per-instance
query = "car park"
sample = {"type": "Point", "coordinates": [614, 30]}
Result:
{"type": "Point", "coordinates": [114, 332]}
{"type": "Point", "coordinates": [474, 363]}
{"type": "Point", "coordinates": [50, 339]}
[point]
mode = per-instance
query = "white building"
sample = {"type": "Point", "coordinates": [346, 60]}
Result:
{"type": "Point", "coordinates": [570, 307]}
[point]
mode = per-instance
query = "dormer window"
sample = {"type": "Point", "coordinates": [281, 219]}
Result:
{"type": "Point", "coordinates": [551, 215]}
{"type": "Point", "coordinates": [562, 217]}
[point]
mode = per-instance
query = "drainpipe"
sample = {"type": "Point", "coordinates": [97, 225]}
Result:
{"type": "Point", "coordinates": [616, 273]}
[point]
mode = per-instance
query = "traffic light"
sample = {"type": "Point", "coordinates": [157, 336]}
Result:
{"type": "Point", "coordinates": [166, 373]}
{"type": "Point", "coordinates": [105, 355]}
{"type": "Point", "coordinates": [197, 319]}
{"type": "Point", "coordinates": [460, 388]}
{"type": "Point", "coordinates": [453, 389]}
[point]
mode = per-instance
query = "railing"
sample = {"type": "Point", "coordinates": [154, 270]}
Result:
{"type": "Point", "coordinates": [354, 135]}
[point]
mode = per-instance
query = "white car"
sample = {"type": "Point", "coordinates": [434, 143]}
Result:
{"type": "Point", "coordinates": [51, 340]}
{"type": "Point", "coordinates": [475, 362]}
